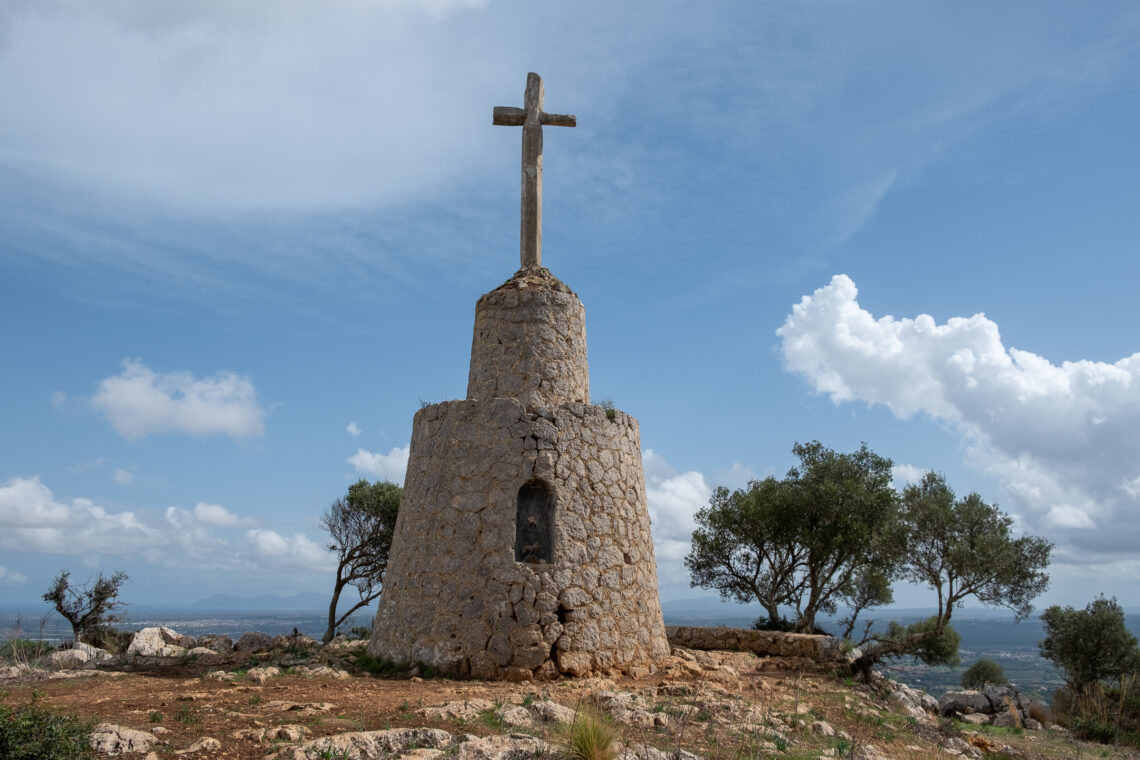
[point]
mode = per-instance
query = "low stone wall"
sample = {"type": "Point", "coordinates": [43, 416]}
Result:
{"type": "Point", "coordinates": [764, 643]}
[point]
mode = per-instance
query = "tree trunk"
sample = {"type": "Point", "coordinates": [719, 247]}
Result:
{"type": "Point", "coordinates": [331, 631]}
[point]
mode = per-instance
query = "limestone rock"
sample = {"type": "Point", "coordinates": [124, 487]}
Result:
{"type": "Point", "coordinates": [975, 719]}
{"type": "Point", "coordinates": [963, 702]}
{"type": "Point", "coordinates": [204, 744]}
{"type": "Point", "coordinates": [110, 739]}
{"type": "Point", "coordinates": [93, 653]}
{"type": "Point", "coordinates": [468, 709]}
{"type": "Point", "coordinates": [261, 675]}
{"type": "Point", "coordinates": [157, 642]}
{"type": "Point", "coordinates": [367, 745]}
{"type": "Point", "coordinates": [66, 659]}
{"type": "Point", "coordinates": [217, 642]}
{"type": "Point", "coordinates": [253, 641]}
{"type": "Point", "coordinates": [822, 728]}
{"type": "Point", "coordinates": [551, 712]}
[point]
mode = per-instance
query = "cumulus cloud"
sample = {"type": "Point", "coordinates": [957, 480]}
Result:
{"type": "Point", "coordinates": [297, 550]}
{"type": "Point", "coordinates": [32, 519]}
{"type": "Point", "coordinates": [1060, 437]}
{"type": "Point", "coordinates": [11, 577]}
{"type": "Point", "coordinates": [215, 514]}
{"type": "Point", "coordinates": [123, 477]}
{"type": "Point", "coordinates": [353, 430]}
{"type": "Point", "coordinates": [139, 402]}
{"type": "Point", "coordinates": [673, 498]}
{"type": "Point", "coordinates": [391, 466]}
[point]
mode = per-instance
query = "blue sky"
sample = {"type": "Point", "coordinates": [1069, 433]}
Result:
{"type": "Point", "coordinates": [241, 242]}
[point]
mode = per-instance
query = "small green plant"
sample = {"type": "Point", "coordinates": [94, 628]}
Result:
{"type": "Point", "coordinates": [528, 700]}
{"type": "Point", "coordinates": [186, 716]}
{"type": "Point", "coordinates": [591, 737]}
{"type": "Point", "coordinates": [255, 699]}
{"type": "Point", "coordinates": [608, 405]}
{"type": "Point", "coordinates": [30, 732]}
{"type": "Point", "coordinates": [492, 718]}
{"type": "Point", "coordinates": [156, 716]}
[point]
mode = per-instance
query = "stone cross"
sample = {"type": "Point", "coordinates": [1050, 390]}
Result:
{"type": "Point", "coordinates": [531, 118]}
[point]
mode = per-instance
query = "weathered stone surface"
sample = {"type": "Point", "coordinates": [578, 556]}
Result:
{"type": "Point", "coordinates": [368, 745]}
{"type": "Point", "coordinates": [822, 728]}
{"type": "Point", "coordinates": [261, 675]}
{"type": "Point", "coordinates": [768, 643]}
{"type": "Point", "coordinates": [461, 590]}
{"type": "Point", "coordinates": [93, 653]}
{"type": "Point", "coordinates": [110, 739]}
{"type": "Point", "coordinates": [969, 701]}
{"type": "Point", "coordinates": [253, 641]}
{"type": "Point", "coordinates": [65, 659]}
{"type": "Point", "coordinates": [204, 744]}
{"type": "Point", "coordinates": [157, 642]}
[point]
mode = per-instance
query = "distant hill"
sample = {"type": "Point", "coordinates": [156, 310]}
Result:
{"type": "Point", "coordinates": [304, 600]}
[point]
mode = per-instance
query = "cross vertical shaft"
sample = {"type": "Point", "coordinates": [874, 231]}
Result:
{"type": "Point", "coordinates": [531, 118]}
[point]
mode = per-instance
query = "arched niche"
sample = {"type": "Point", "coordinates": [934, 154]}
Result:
{"type": "Point", "coordinates": [534, 523]}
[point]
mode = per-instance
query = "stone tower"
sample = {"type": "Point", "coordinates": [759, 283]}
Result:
{"type": "Point", "coordinates": [522, 547]}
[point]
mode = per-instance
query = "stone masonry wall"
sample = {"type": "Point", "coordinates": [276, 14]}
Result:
{"type": "Point", "coordinates": [764, 643]}
{"type": "Point", "coordinates": [529, 343]}
{"type": "Point", "coordinates": [455, 597]}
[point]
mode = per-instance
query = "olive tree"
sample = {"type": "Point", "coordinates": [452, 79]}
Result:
{"type": "Point", "coordinates": [1090, 645]}
{"type": "Point", "coordinates": [982, 672]}
{"type": "Point", "coordinates": [960, 548]}
{"type": "Point", "coordinates": [821, 536]}
{"type": "Point", "coordinates": [90, 607]}
{"type": "Point", "coordinates": [361, 524]}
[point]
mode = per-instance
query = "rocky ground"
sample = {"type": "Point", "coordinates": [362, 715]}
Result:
{"type": "Point", "coordinates": [289, 699]}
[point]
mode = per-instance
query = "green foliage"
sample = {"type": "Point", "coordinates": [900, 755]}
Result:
{"type": "Point", "coordinates": [817, 538]}
{"type": "Point", "coordinates": [960, 548]}
{"type": "Point", "coordinates": [608, 406]}
{"type": "Point", "coordinates": [963, 547]}
{"type": "Point", "coordinates": [591, 737]}
{"type": "Point", "coordinates": [361, 525]}
{"type": "Point", "coordinates": [981, 673]}
{"type": "Point", "coordinates": [1090, 645]}
{"type": "Point", "coordinates": [384, 668]}
{"type": "Point", "coordinates": [88, 608]}
{"type": "Point", "coordinates": [764, 623]}
{"type": "Point", "coordinates": [29, 732]}
{"type": "Point", "coordinates": [18, 650]}
{"type": "Point", "coordinates": [156, 716]}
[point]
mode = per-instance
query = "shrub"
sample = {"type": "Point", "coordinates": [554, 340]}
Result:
{"type": "Point", "coordinates": [29, 732]}
{"type": "Point", "coordinates": [765, 623]}
{"type": "Point", "coordinates": [981, 673]}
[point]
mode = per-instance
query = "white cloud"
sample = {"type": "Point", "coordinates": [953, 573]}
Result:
{"type": "Point", "coordinates": [32, 520]}
{"type": "Point", "coordinates": [11, 577]}
{"type": "Point", "coordinates": [297, 550]}
{"type": "Point", "coordinates": [1061, 438]}
{"type": "Point", "coordinates": [58, 399]}
{"type": "Point", "coordinates": [673, 499]}
{"type": "Point", "coordinates": [391, 466]}
{"type": "Point", "coordinates": [353, 430]}
{"type": "Point", "coordinates": [214, 514]}
{"type": "Point", "coordinates": [123, 477]}
{"type": "Point", "coordinates": [138, 402]}
{"type": "Point", "coordinates": [904, 474]}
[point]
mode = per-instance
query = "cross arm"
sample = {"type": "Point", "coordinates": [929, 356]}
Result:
{"type": "Point", "coordinates": [558, 119]}
{"type": "Point", "coordinates": [508, 116]}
